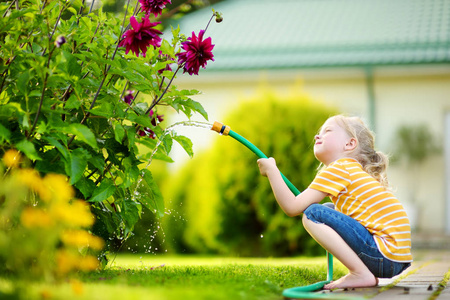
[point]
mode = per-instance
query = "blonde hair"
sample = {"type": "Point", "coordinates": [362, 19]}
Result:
{"type": "Point", "coordinates": [373, 162]}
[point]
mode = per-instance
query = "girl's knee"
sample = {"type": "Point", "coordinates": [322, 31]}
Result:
{"type": "Point", "coordinates": [313, 207]}
{"type": "Point", "coordinates": [315, 213]}
{"type": "Point", "coordinates": [311, 211]}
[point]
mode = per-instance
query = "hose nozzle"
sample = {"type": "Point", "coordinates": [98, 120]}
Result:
{"type": "Point", "coordinates": [220, 128]}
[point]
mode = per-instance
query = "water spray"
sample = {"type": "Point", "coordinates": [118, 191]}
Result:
{"type": "Point", "coordinates": [301, 292]}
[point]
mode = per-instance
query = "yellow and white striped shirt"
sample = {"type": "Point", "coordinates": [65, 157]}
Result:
{"type": "Point", "coordinates": [358, 195]}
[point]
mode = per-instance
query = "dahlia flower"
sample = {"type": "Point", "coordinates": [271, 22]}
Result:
{"type": "Point", "coordinates": [154, 7]}
{"type": "Point", "coordinates": [141, 36]}
{"type": "Point", "coordinates": [196, 53]}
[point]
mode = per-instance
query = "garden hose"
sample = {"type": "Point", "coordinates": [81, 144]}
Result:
{"type": "Point", "coordinates": [302, 292]}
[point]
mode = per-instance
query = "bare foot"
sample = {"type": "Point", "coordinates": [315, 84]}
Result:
{"type": "Point", "coordinates": [353, 281]}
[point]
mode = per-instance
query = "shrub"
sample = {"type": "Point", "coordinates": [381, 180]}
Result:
{"type": "Point", "coordinates": [44, 230]}
{"type": "Point", "coordinates": [227, 206]}
{"type": "Point", "coordinates": [81, 94]}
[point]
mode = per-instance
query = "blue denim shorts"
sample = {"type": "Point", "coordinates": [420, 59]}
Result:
{"type": "Point", "coordinates": [358, 238]}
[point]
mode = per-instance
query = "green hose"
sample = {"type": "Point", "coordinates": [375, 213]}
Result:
{"type": "Point", "coordinates": [258, 152]}
{"type": "Point", "coordinates": [303, 292]}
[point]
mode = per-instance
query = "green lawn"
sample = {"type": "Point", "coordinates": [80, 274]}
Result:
{"type": "Point", "coordinates": [189, 277]}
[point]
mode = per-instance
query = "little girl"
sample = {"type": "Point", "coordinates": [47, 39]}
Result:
{"type": "Point", "coordinates": [368, 229]}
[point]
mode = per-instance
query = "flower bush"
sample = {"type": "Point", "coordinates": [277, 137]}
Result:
{"type": "Point", "coordinates": [79, 97]}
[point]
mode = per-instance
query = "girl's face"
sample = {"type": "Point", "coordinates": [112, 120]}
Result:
{"type": "Point", "coordinates": [332, 142]}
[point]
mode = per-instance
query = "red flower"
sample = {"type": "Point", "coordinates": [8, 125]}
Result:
{"type": "Point", "coordinates": [147, 132]}
{"type": "Point", "coordinates": [128, 97]}
{"type": "Point", "coordinates": [164, 57]}
{"type": "Point", "coordinates": [153, 6]}
{"type": "Point", "coordinates": [155, 120]}
{"type": "Point", "coordinates": [196, 53]}
{"type": "Point", "coordinates": [158, 119]}
{"type": "Point", "coordinates": [141, 36]}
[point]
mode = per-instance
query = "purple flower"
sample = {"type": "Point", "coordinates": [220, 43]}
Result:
{"type": "Point", "coordinates": [153, 6]}
{"type": "Point", "coordinates": [60, 40]}
{"type": "Point", "coordinates": [128, 97]}
{"type": "Point", "coordinates": [158, 119]}
{"type": "Point", "coordinates": [147, 132]}
{"type": "Point", "coordinates": [164, 57]}
{"type": "Point", "coordinates": [196, 53]}
{"type": "Point", "coordinates": [155, 120]}
{"type": "Point", "coordinates": [166, 68]}
{"type": "Point", "coordinates": [141, 36]}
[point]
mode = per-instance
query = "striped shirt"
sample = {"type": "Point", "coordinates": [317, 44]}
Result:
{"type": "Point", "coordinates": [358, 195]}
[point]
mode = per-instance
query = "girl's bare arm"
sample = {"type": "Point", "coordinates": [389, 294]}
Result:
{"type": "Point", "coordinates": [292, 205]}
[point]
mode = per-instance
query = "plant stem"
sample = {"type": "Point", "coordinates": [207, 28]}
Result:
{"type": "Point", "coordinates": [80, 12]}
{"type": "Point", "coordinates": [92, 6]}
{"type": "Point", "coordinates": [54, 28]}
{"type": "Point", "coordinates": [9, 7]}
{"type": "Point", "coordinates": [163, 93]}
{"type": "Point", "coordinates": [206, 28]}
{"type": "Point", "coordinates": [38, 112]}
{"type": "Point", "coordinates": [104, 78]}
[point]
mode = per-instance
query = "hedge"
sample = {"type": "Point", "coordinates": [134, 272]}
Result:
{"type": "Point", "coordinates": [225, 206]}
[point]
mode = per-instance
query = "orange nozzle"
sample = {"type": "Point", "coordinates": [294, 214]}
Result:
{"type": "Point", "coordinates": [220, 128]}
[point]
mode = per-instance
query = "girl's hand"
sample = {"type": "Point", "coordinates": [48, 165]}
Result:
{"type": "Point", "coordinates": [267, 165]}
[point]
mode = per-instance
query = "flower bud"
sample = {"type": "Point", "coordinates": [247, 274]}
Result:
{"type": "Point", "coordinates": [219, 17]}
{"type": "Point", "coordinates": [60, 40]}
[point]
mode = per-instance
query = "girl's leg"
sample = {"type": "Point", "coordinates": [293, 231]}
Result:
{"type": "Point", "coordinates": [328, 238]}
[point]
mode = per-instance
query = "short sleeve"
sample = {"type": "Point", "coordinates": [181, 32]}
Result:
{"type": "Point", "coordinates": [332, 180]}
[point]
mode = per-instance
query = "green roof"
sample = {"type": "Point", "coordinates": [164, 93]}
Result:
{"type": "Point", "coordinates": [268, 34]}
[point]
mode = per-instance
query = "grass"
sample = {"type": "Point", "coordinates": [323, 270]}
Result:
{"type": "Point", "coordinates": [188, 277]}
{"type": "Point", "coordinates": [441, 286]}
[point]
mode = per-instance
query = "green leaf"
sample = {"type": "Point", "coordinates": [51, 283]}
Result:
{"type": "Point", "coordinates": [28, 149]}
{"type": "Point", "coordinates": [131, 171]}
{"type": "Point", "coordinates": [85, 186]}
{"type": "Point", "coordinates": [98, 161]}
{"type": "Point", "coordinates": [131, 136]}
{"type": "Point", "coordinates": [144, 121]}
{"type": "Point", "coordinates": [73, 102]}
{"type": "Point", "coordinates": [149, 195]}
{"type": "Point", "coordinates": [22, 82]}
{"type": "Point", "coordinates": [83, 133]}
{"type": "Point", "coordinates": [78, 163]}
{"type": "Point", "coordinates": [140, 108]}
{"type": "Point", "coordinates": [119, 132]}
{"type": "Point", "coordinates": [104, 110]}
{"type": "Point", "coordinates": [104, 191]}
{"type": "Point", "coordinates": [159, 155]}
{"type": "Point", "coordinates": [54, 142]}
{"type": "Point", "coordinates": [167, 142]}
{"type": "Point", "coordinates": [72, 10]}
{"type": "Point", "coordinates": [10, 110]}
{"type": "Point", "coordinates": [196, 106]}
{"type": "Point", "coordinates": [186, 143]}
{"type": "Point", "coordinates": [5, 134]}
{"type": "Point", "coordinates": [130, 212]}
{"type": "Point", "coordinates": [71, 64]}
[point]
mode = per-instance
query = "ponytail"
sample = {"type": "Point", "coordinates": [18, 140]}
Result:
{"type": "Point", "coordinates": [376, 166]}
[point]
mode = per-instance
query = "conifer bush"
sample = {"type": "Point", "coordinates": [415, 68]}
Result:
{"type": "Point", "coordinates": [227, 207]}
